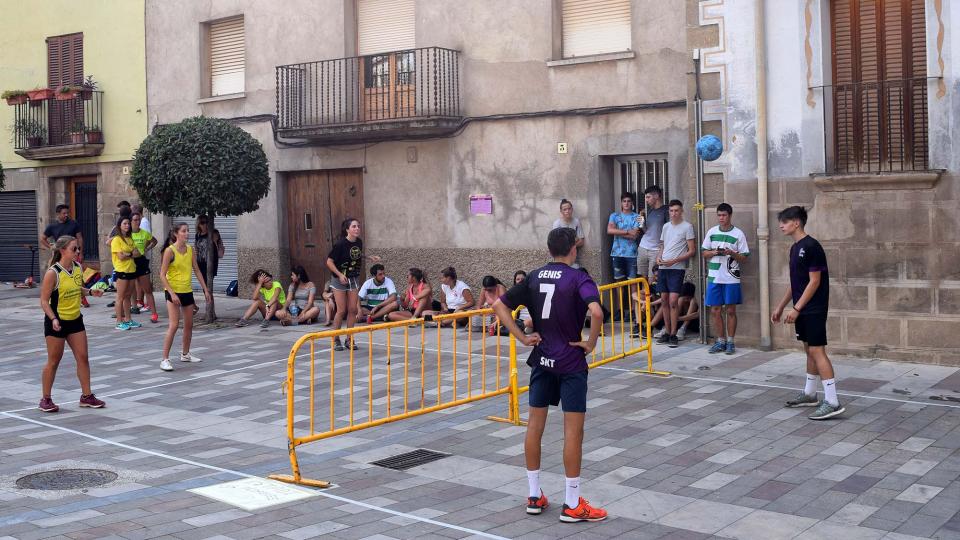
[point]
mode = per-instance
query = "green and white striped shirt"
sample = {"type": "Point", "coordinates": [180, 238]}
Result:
{"type": "Point", "coordinates": [723, 268]}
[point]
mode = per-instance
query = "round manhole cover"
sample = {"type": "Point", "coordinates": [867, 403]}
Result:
{"type": "Point", "coordinates": [66, 479]}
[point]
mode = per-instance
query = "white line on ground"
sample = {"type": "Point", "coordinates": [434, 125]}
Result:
{"type": "Point", "coordinates": [245, 475]}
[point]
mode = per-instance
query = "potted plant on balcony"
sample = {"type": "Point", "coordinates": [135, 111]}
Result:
{"type": "Point", "coordinates": [68, 92]}
{"type": "Point", "coordinates": [94, 135]}
{"type": "Point", "coordinates": [30, 130]}
{"type": "Point", "coordinates": [14, 97]}
{"type": "Point", "coordinates": [39, 95]}
{"type": "Point", "coordinates": [87, 87]}
{"type": "Point", "coordinates": [76, 132]}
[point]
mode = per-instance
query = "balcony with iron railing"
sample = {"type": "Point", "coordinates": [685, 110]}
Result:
{"type": "Point", "coordinates": [395, 95]}
{"type": "Point", "coordinates": [878, 127]}
{"type": "Point", "coordinates": [58, 125]}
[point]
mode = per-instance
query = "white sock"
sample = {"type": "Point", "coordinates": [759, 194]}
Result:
{"type": "Point", "coordinates": [722, 340]}
{"type": "Point", "coordinates": [572, 497]}
{"type": "Point", "coordinates": [533, 480]}
{"type": "Point", "coordinates": [830, 391]}
{"type": "Point", "coordinates": [810, 388]}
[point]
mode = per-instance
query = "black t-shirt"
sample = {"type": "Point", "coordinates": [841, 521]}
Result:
{"type": "Point", "coordinates": [807, 256]}
{"type": "Point", "coordinates": [56, 229]}
{"type": "Point", "coordinates": [347, 256]}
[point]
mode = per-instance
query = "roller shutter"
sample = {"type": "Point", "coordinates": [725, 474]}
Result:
{"type": "Point", "coordinates": [595, 27]}
{"type": "Point", "coordinates": [227, 271]}
{"type": "Point", "coordinates": [385, 25]}
{"type": "Point", "coordinates": [227, 57]}
{"type": "Point", "coordinates": [18, 228]}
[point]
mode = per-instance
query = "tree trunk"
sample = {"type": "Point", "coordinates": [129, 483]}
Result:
{"type": "Point", "coordinates": [211, 253]}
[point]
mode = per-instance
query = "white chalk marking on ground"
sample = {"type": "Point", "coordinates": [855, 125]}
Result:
{"type": "Point", "coordinates": [245, 475]}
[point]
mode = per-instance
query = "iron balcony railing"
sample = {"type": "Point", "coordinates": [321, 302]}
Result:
{"type": "Point", "coordinates": [401, 85]}
{"type": "Point", "coordinates": [877, 126]}
{"type": "Point", "coordinates": [59, 122]}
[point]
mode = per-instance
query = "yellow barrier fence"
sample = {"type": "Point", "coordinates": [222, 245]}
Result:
{"type": "Point", "coordinates": [394, 372]}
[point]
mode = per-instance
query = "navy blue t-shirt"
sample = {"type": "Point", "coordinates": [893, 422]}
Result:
{"type": "Point", "coordinates": [806, 256]}
{"type": "Point", "coordinates": [557, 297]}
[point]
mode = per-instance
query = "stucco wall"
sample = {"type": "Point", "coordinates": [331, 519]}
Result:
{"type": "Point", "coordinates": [113, 47]}
{"type": "Point", "coordinates": [890, 252]}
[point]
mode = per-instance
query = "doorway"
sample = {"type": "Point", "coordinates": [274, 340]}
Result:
{"type": "Point", "coordinates": [317, 203]}
{"type": "Point", "coordinates": [83, 210]}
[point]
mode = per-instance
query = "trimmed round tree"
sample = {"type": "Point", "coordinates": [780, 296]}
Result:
{"type": "Point", "coordinates": [1, 176]}
{"type": "Point", "coordinates": [201, 166]}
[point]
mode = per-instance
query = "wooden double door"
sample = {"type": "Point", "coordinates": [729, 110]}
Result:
{"type": "Point", "coordinates": [317, 203]}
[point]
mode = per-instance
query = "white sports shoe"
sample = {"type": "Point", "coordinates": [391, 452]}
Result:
{"type": "Point", "coordinates": [682, 333]}
{"type": "Point", "coordinates": [659, 334]}
{"type": "Point", "coordinates": [165, 365]}
{"type": "Point", "coordinates": [187, 357]}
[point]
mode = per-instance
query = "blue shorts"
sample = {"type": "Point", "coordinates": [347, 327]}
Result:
{"type": "Point", "coordinates": [624, 268]}
{"type": "Point", "coordinates": [723, 294]}
{"type": "Point", "coordinates": [549, 388]}
{"type": "Point", "coordinates": [670, 280]}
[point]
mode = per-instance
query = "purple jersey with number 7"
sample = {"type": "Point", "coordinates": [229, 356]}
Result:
{"type": "Point", "coordinates": [557, 297]}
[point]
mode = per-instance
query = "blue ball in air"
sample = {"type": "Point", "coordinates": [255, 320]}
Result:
{"type": "Point", "coordinates": [709, 147]}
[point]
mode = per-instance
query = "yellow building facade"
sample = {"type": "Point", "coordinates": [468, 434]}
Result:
{"type": "Point", "coordinates": [71, 140]}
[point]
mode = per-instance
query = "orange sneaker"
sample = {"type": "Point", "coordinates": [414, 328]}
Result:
{"type": "Point", "coordinates": [154, 318]}
{"type": "Point", "coordinates": [583, 512]}
{"type": "Point", "coordinates": [536, 505]}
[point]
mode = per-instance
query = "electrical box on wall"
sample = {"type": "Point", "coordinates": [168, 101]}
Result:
{"type": "Point", "coordinates": [561, 148]}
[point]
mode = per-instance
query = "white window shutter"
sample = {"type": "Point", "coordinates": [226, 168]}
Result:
{"type": "Point", "coordinates": [385, 26]}
{"type": "Point", "coordinates": [227, 57]}
{"type": "Point", "coordinates": [595, 27]}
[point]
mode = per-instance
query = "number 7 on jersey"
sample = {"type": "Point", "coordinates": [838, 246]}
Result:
{"type": "Point", "coordinates": [547, 289]}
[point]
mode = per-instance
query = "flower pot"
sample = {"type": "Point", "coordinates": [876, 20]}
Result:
{"type": "Point", "coordinates": [17, 100]}
{"type": "Point", "coordinates": [34, 141]}
{"type": "Point", "coordinates": [95, 137]}
{"type": "Point", "coordinates": [76, 138]}
{"type": "Point", "coordinates": [40, 94]}
{"type": "Point", "coordinates": [67, 96]}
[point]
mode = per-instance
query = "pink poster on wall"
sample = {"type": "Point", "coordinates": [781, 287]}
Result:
{"type": "Point", "coordinates": [481, 204]}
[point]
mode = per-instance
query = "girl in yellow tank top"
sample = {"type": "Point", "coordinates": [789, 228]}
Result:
{"type": "Point", "coordinates": [60, 296]}
{"type": "Point", "coordinates": [179, 260]}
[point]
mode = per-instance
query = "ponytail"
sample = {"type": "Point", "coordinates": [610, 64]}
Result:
{"type": "Point", "coordinates": [58, 246]}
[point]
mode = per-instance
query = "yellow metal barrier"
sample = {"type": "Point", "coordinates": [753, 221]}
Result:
{"type": "Point", "coordinates": [622, 300]}
{"type": "Point", "coordinates": [335, 386]}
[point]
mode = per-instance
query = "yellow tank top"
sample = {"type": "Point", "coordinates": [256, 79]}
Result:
{"type": "Point", "coordinates": [179, 270]}
{"type": "Point", "coordinates": [118, 245]}
{"type": "Point", "coordinates": [65, 300]}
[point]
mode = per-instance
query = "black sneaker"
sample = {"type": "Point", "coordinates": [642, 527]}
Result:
{"type": "Point", "coordinates": [637, 332]}
{"type": "Point", "coordinates": [663, 339]}
{"type": "Point", "coordinates": [673, 342]}
{"type": "Point", "coordinates": [337, 346]}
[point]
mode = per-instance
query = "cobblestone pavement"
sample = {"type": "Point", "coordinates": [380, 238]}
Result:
{"type": "Point", "coordinates": [706, 453]}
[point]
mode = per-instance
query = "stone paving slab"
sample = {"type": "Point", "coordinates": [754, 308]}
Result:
{"type": "Point", "coordinates": [706, 453]}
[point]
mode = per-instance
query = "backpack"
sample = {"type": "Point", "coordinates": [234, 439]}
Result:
{"type": "Point", "coordinates": [232, 288]}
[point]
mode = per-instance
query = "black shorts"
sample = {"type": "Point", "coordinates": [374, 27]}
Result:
{"type": "Point", "coordinates": [66, 327]}
{"type": "Point", "coordinates": [549, 388]}
{"type": "Point", "coordinates": [670, 280]}
{"type": "Point", "coordinates": [126, 276]}
{"type": "Point", "coordinates": [143, 266]}
{"type": "Point", "coordinates": [811, 328]}
{"type": "Point", "coordinates": [186, 298]}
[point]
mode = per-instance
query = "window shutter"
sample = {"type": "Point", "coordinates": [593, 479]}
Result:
{"type": "Point", "coordinates": [227, 57]}
{"type": "Point", "coordinates": [385, 26]}
{"type": "Point", "coordinates": [879, 66]}
{"type": "Point", "coordinates": [595, 27]}
{"type": "Point", "coordinates": [64, 60]}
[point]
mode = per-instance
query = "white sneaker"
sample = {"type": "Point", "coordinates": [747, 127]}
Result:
{"type": "Point", "coordinates": [682, 333]}
{"type": "Point", "coordinates": [165, 365]}
{"type": "Point", "coordinates": [187, 357]}
{"type": "Point", "coordinates": [660, 334]}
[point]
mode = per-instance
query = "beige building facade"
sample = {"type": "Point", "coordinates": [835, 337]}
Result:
{"type": "Point", "coordinates": [413, 115]}
{"type": "Point", "coordinates": [860, 116]}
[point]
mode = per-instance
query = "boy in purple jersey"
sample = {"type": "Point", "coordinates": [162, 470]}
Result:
{"type": "Point", "coordinates": [810, 293]}
{"type": "Point", "coordinates": [558, 298]}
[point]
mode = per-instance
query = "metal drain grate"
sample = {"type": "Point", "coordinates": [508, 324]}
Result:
{"type": "Point", "coordinates": [402, 462]}
{"type": "Point", "coordinates": [66, 479]}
